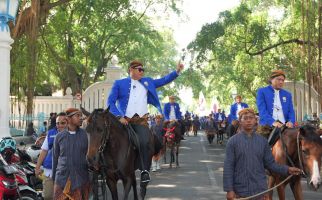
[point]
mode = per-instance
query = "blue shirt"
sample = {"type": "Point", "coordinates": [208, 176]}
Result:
{"type": "Point", "coordinates": [245, 163]}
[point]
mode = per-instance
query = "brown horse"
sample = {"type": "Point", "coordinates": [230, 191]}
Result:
{"type": "Point", "coordinates": [111, 152]}
{"type": "Point", "coordinates": [172, 140]}
{"type": "Point", "coordinates": [222, 125]}
{"type": "Point", "coordinates": [303, 146]}
{"type": "Point", "coordinates": [211, 130]}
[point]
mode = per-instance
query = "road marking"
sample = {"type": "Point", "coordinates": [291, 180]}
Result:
{"type": "Point", "coordinates": [211, 175]}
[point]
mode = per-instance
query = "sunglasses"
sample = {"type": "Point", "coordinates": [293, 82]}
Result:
{"type": "Point", "coordinates": [139, 69]}
{"type": "Point", "coordinates": [60, 123]}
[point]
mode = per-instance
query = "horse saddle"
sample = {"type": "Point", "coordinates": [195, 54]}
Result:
{"type": "Point", "coordinates": [275, 135]}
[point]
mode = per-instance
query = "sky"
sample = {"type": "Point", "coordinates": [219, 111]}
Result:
{"type": "Point", "coordinates": [198, 12]}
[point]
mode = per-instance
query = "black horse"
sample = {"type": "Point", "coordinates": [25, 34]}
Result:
{"type": "Point", "coordinates": [111, 152]}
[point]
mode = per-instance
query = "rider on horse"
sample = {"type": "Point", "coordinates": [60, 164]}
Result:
{"type": "Point", "coordinates": [130, 97]}
{"type": "Point", "coordinates": [275, 106]}
{"type": "Point", "coordinates": [236, 107]}
{"type": "Point", "coordinates": [172, 111]}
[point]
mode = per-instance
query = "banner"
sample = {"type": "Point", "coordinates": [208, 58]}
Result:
{"type": "Point", "coordinates": [214, 104]}
{"type": "Point", "coordinates": [202, 105]}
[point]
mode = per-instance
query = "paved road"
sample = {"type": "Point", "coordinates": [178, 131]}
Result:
{"type": "Point", "coordinates": [199, 175]}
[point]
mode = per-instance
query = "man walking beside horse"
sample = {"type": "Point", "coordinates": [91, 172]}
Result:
{"type": "Point", "coordinates": [128, 101]}
{"type": "Point", "coordinates": [247, 157]}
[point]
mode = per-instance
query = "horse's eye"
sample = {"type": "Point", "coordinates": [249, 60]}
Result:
{"type": "Point", "coordinates": [305, 152]}
{"type": "Point", "coordinates": [99, 129]}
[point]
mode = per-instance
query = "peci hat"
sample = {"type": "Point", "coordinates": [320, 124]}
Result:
{"type": "Point", "coordinates": [72, 111]}
{"type": "Point", "coordinates": [246, 111]}
{"type": "Point", "coordinates": [158, 117]}
{"type": "Point", "coordinates": [172, 97]}
{"type": "Point", "coordinates": [276, 73]}
{"type": "Point", "coordinates": [135, 63]}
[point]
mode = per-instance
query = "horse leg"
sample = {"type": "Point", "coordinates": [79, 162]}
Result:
{"type": "Point", "coordinates": [171, 157]}
{"type": "Point", "coordinates": [209, 139]}
{"type": "Point", "coordinates": [127, 181]}
{"type": "Point", "coordinates": [271, 183]}
{"type": "Point", "coordinates": [113, 188]}
{"type": "Point", "coordinates": [280, 190]}
{"type": "Point", "coordinates": [165, 154]}
{"type": "Point", "coordinates": [221, 137]}
{"type": "Point", "coordinates": [135, 192]}
{"type": "Point", "coordinates": [143, 189]}
{"type": "Point", "coordinates": [177, 155]}
{"type": "Point", "coordinates": [296, 188]}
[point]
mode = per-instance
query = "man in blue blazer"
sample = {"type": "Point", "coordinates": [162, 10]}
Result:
{"type": "Point", "coordinates": [219, 116]}
{"type": "Point", "coordinates": [235, 108]}
{"type": "Point", "coordinates": [275, 105]}
{"type": "Point", "coordinates": [172, 110]}
{"type": "Point", "coordinates": [129, 99]}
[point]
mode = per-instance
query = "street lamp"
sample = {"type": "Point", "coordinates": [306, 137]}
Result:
{"type": "Point", "coordinates": [234, 93]}
{"type": "Point", "coordinates": [8, 11]}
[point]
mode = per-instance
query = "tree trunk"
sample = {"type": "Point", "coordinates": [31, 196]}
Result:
{"type": "Point", "coordinates": [319, 86]}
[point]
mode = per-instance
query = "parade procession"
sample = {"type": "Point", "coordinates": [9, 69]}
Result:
{"type": "Point", "coordinates": [160, 100]}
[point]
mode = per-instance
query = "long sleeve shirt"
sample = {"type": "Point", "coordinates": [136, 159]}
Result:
{"type": "Point", "coordinates": [246, 159]}
{"type": "Point", "coordinates": [69, 158]}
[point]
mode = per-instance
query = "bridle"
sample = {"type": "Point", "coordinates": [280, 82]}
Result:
{"type": "Point", "coordinates": [101, 171]}
{"type": "Point", "coordinates": [299, 149]}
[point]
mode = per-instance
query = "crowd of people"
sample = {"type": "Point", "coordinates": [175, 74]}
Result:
{"type": "Point", "coordinates": [63, 154]}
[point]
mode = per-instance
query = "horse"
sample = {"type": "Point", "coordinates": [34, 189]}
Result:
{"type": "Point", "coordinates": [303, 148]}
{"type": "Point", "coordinates": [221, 130]}
{"type": "Point", "coordinates": [111, 152]}
{"type": "Point", "coordinates": [211, 130]}
{"type": "Point", "coordinates": [187, 125]}
{"type": "Point", "coordinates": [195, 126]}
{"type": "Point", "coordinates": [172, 140]}
{"type": "Point", "coordinates": [232, 128]}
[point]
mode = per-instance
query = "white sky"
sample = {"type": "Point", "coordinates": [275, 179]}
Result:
{"type": "Point", "coordinates": [198, 12]}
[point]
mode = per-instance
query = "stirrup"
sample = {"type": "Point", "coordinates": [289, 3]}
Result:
{"type": "Point", "coordinates": [145, 176]}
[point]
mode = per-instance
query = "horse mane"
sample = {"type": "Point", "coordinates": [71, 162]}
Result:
{"type": "Point", "coordinates": [115, 120]}
{"type": "Point", "coordinates": [309, 132]}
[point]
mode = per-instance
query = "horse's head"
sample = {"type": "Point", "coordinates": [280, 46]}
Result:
{"type": "Point", "coordinates": [97, 132]}
{"type": "Point", "coordinates": [311, 153]}
{"type": "Point", "coordinates": [172, 129]}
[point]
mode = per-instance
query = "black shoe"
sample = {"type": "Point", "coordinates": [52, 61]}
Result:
{"type": "Point", "coordinates": [145, 176]}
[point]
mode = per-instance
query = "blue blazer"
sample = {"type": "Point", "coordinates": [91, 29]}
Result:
{"type": "Point", "coordinates": [265, 101]}
{"type": "Point", "coordinates": [167, 109]}
{"type": "Point", "coordinates": [120, 92]}
{"type": "Point", "coordinates": [223, 116]}
{"type": "Point", "coordinates": [233, 111]}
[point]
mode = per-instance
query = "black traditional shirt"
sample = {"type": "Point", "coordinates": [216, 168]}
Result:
{"type": "Point", "coordinates": [69, 158]}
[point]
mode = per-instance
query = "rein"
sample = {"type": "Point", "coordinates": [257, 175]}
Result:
{"type": "Point", "coordinates": [268, 190]}
{"type": "Point", "coordinates": [169, 129]}
{"type": "Point", "coordinates": [298, 153]}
